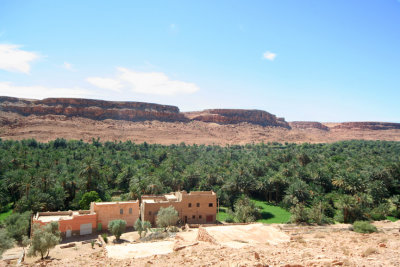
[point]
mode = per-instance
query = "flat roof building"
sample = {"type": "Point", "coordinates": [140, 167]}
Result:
{"type": "Point", "coordinates": [196, 207]}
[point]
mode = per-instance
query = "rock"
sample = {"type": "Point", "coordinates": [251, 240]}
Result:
{"type": "Point", "coordinates": [178, 246]}
{"type": "Point", "coordinates": [308, 125]}
{"type": "Point", "coordinates": [382, 245]}
{"type": "Point", "coordinates": [69, 245]}
{"type": "Point", "coordinates": [234, 116]}
{"type": "Point", "coordinates": [256, 256]}
{"type": "Point", "coordinates": [92, 109]}
{"type": "Point", "coordinates": [369, 125]}
{"type": "Point", "coordinates": [337, 263]}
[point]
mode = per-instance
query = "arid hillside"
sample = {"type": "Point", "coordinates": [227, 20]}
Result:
{"type": "Point", "coordinates": [85, 119]}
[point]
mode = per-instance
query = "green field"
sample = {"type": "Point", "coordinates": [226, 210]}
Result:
{"type": "Point", "coordinates": [5, 215]}
{"type": "Point", "coordinates": [269, 213]}
{"type": "Point", "coordinates": [391, 218]}
{"type": "Point", "coordinates": [222, 215]}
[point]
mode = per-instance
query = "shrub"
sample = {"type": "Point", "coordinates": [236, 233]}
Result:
{"type": "Point", "coordinates": [167, 217]}
{"type": "Point", "coordinates": [317, 214]}
{"type": "Point", "coordinates": [155, 236]}
{"type": "Point", "coordinates": [105, 237]}
{"type": "Point", "coordinates": [17, 225]}
{"type": "Point", "coordinates": [44, 238]}
{"type": "Point", "coordinates": [246, 210]}
{"type": "Point", "coordinates": [88, 198]}
{"type": "Point", "coordinates": [117, 227]}
{"type": "Point", "coordinates": [300, 214]}
{"type": "Point", "coordinates": [5, 241]}
{"type": "Point", "coordinates": [141, 227]}
{"type": "Point", "coordinates": [363, 227]}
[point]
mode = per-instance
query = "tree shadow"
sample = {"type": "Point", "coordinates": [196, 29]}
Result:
{"type": "Point", "coordinates": [120, 241]}
{"type": "Point", "coordinates": [265, 215]}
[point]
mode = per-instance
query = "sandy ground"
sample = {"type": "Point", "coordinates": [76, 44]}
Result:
{"type": "Point", "coordinates": [50, 127]}
{"type": "Point", "coordinates": [238, 236]}
{"type": "Point", "coordinates": [331, 245]}
{"type": "Point", "coordinates": [140, 250]}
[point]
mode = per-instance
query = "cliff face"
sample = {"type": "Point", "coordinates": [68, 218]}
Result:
{"type": "Point", "coordinates": [308, 125]}
{"type": "Point", "coordinates": [234, 116]}
{"type": "Point", "coordinates": [92, 109]}
{"type": "Point", "coordinates": [368, 125]}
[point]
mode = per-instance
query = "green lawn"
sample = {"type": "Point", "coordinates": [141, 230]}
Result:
{"type": "Point", "coordinates": [269, 213]}
{"type": "Point", "coordinates": [222, 215]}
{"type": "Point", "coordinates": [393, 219]}
{"type": "Point", "coordinates": [5, 215]}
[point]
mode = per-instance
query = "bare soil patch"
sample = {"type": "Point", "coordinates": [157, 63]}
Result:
{"type": "Point", "coordinates": [331, 245]}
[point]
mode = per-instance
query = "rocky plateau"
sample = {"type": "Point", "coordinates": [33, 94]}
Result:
{"type": "Point", "coordinates": [74, 118]}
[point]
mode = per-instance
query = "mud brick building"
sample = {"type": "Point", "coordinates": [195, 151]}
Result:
{"type": "Point", "coordinates": [196, 207]}
{"type": "Point", "coordinates": [109, 211]}
{"type": "Point", "coordinates": [85, 222]}
{"type": "Point", "coordinates": [70, 223]}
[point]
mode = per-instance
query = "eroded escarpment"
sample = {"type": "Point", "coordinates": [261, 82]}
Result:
{"type": "Point", "coordinates": [368, 125]}
{"type": "Point", "coordinates": [234, 116]}
{"type": "Point", "coordinates": [308, 125]}
{"type": "Point", "coordinates": [134, 111]}
{"type": "Point", "coordinates": [92, 109]}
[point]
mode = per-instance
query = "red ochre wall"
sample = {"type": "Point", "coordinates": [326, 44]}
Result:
{"type": "Point", "coordinates": [107, 212]}
{"type": "Point", "coordinates": [74, 223]}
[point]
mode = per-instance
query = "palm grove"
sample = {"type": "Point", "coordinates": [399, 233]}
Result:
{"type": "Point", "coordinates": [320, 183]}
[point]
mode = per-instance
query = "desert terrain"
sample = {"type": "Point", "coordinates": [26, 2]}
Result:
{"type": "Point", "coordinates": [242, 245]}
{"type": "Point", "coordinates": [49, 127]}
{"type": "Point", "coordinates": [74, 118]}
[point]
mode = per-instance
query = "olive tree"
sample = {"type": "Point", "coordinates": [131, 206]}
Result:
{"type": "Point", "coordinates": [142, 227]}
{"type": "Point", "coordinates": [43, 239]}
{"type": "Point", "coordinates": [167, 217]}
{"type": "Point", "coordinates": [117, 227]}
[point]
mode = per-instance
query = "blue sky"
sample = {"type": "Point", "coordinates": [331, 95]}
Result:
{"type": "Point", "coordinates": [331, 60]}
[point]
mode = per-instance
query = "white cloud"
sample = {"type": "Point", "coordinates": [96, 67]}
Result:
{"type": "Point", "coordinates": [154, 83]}
{"type": "Point", "coordinates": [269, 56]}
{"type": "Point", "coordinates": [68, 66]}
{"type": "Point", "coordinates": [14, 59]}
{"type": "Point", "coordinates": [40, 92]}
{"type": "Point", "coordinates": [105, 83]}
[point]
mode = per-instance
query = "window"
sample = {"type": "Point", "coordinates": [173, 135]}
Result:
{"type": "Point", "coordinates": [198, 205]}
{"type": "Point", "coordinates": [200, 216]}
{"type": "Point", "coordinates": [210, 204]}
{"type": "Point", "coordinates": [149, 212]}
{"type": "Point", "coordinates": [190, 205]}
{"type": "Point", "coordinates": [193, 216]}
{"type": "Point", "coordinates": [121, 211]}
{"type": "Point", "coordinates": [130, 210]}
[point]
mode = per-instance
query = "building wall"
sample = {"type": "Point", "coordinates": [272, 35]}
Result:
{"type": "Point", "coordinates": [109, 211]}
{"type": "Point", "coordinates": [73, 224]}
{"type": "Point", "coordinates": [193, 213]}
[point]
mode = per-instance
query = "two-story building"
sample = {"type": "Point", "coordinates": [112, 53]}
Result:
{"type": "Point", "coordinates": [196, 207]}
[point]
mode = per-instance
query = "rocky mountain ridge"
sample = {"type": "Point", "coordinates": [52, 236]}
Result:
{"type": "Point", "coordinates": [99, 110]}
{"type": "Point", "coordinates": [92, 109]}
